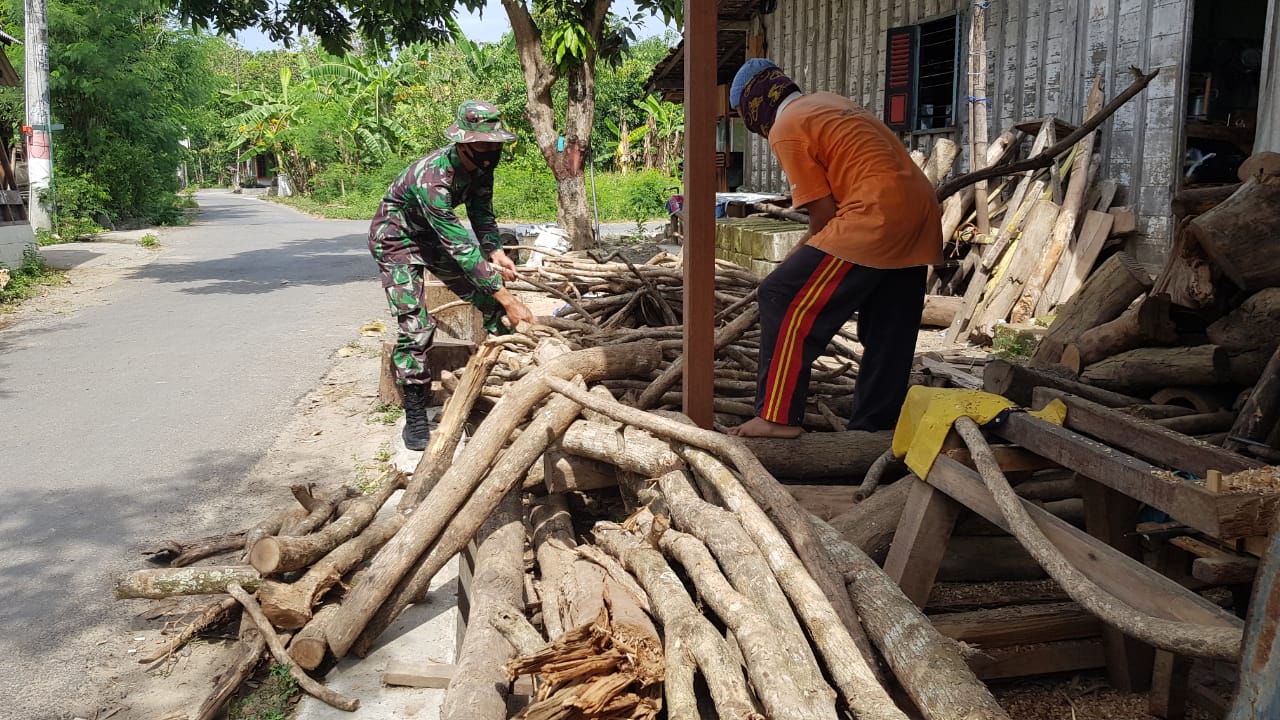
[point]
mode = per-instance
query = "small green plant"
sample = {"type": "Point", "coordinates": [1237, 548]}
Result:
{"type": "Point", "coordinates": [27, 279]}
{"type": "Point", "coordinates": [1011, 346]}
{"type": "Point", "coordinates": [271, 699]}
{"type": "Point", "coordinates": [149, 241]}
{"type": "Point", "coordinates": [385, 414]}
{"type": "Point", "coordinates": [371, 474]}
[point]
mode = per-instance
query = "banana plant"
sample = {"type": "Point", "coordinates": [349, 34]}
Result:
{"type": "Point", "coordinates": [369, 87]}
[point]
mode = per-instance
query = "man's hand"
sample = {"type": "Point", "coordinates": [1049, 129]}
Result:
{"type": "Point", "coordinates": [504, 265]}
{"type": "Point", "coordinates": [517, 312]}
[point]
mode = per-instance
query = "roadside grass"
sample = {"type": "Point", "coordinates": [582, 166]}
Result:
{"type": "Point", "coordinates": [27, 280]}
{"type": "Point", "coordinates": [149, 241]}
{"type": "Point", "coordinates": [385, 414]}
{"type": "Point", "coordinates": [370, 474]}
{"type": "Point", "coordinates": [272, 700]}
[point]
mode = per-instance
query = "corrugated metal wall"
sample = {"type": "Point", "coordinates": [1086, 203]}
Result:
{"type": "Point", "coordinates": [1042, 57]}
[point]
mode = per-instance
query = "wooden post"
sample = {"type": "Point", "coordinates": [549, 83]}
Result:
{"type": "Point", "coordinates": [700, 64]}
{"type": "Point", "coordinates": [921, 540]}
{"type": "Point", "coordinates": [978, 111]}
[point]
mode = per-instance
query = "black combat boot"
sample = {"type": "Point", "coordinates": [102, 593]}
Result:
{"type": "Point", "coordinates": [416, 428]}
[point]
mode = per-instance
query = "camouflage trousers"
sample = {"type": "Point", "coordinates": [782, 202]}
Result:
{"type": "Point", "coordinates": [405, 285]}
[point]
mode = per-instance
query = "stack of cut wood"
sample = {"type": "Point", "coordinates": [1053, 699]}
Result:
{"type": "Point", "coordinates": [1198, 343]}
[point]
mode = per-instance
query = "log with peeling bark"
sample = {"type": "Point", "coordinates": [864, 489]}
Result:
{"type": "Point", "coordinates": [1155, 367]}
{"type": "Point", "coordinates": [326, 504]}
{"type": "Point", "coordinates": [429, 518]}
{"type": "Point", "coordinates": [324, 694]}
{"type": "Point", "coordinates": [181, 554]}
{"type": "Point", "coordinates": [1145, 324]}
{"type": "Point", "coordinates": [167, 582]}
{"type": "Point", "coordinates": [505, 474]}
{"type": "Point", "coordinates": [1107, 293]}
{"type": "Point", "coordinates": [847, 454]}
{"type": "Point", "coordinates": [440, 448]}
{"type": "Point", "coordinates": [870, 524]}
{"type": "Point", "coordinates": [1188, 276]}
{"type": "Point", "coordinates": [478, 690]}
{"type": "Point", "coordinates": [284, 553]}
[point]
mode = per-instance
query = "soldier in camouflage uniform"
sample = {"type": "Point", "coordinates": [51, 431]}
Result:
{"type": "Point", "coordinates": [416, 231]}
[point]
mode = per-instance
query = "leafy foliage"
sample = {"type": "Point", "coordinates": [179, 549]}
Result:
{"type": "Point", "coordinates": [26, 280]}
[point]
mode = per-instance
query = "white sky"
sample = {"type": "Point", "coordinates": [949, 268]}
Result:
{"type": "Point", "coordinates": [488, 29]}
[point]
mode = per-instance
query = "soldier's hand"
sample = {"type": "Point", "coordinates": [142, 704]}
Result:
{"type": "Point", "coordinates": [504, 265]}
{"type": "Point", "coordinates": [518, 312]}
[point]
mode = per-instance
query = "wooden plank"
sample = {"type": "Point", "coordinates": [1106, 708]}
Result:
{"type": "Point", "coordinates": [1225, 570]}
{"type": "Point", "coordinates": [1093, 235]}
{"type": "Point", "coordinates": [701, 100]}
{"type": "Point", "coordinates": [418, 674]}
{"type": "Point", "coordinates": [1224, 516]}
{"type": "Point", "coordinates": [1111, 517]}
{"type": "Point", "coordinates": [920, 542]}
{"type": "Point", "coordinates": [1018, 625]}
{"type": "Point", "coordinates": [1067, 656]}
{"type": "Point", "coordinates": [1143, 437]}
{"type": "Point", "coordinates": [1170, 681]}
{"type": "Point", "coordinates": [1132, 582]}
{"type": "Point", "coordinates": [1012, 459]}
{"type": "Point", "coordinates": [1258, 695]}
{"type": "Point", "coordinates": [956, 375]}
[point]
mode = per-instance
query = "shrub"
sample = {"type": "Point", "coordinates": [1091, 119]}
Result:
{"type": "Point", "coordinates": [26, 280]}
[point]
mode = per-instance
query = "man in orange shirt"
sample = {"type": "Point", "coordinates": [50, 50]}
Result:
{"type": "Point", "coordinates": [874, 227]}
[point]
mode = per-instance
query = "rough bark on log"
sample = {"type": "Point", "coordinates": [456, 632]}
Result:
{"type": "Point", "coordinates": [248, 651]}
{"type": "Point", "coordinates": [1147, 323]}
{"type": "Point", "coordinates": [779, 683]}
{"type": "Point", "coordinates": [439, 453]}
{"type": "Point", "coordinates": [847, 454]}
{"type": "Point", "coordinates": [1261, 411]}
{"type": "Point", "coordinates": [1238, 235]}
{"type": "Point", "coordinates": [870, 524]}
{"type": "Point", "coordinates": [428, 520]}
{"type": "Point", "coordinates": [325, 505]}
{"type": "Point", "coordinates": [518, 631]}
{"type": "Point", "coordinates": [682, 701]}
{"type": "Point", "coordinates": [681, 618]}
{"type": "Point", "coordinates": [1051, 489]}
{"type": "Point", "coordinates": [745, 567]}
{"type": "Point", "coordinates": [552, 545]}
{"type": "Point", "coordinates": [181, 554]}
{"type": "Point", "coordinates": [1182, 638]}
{"type": "Point", "coordinates": [271, 526]}
{"type": "Point", "coordinates": [724, 336]}
{"type": "Point", "coordinates": [161, 583]}
{"type": "Point", "coordinates": [1018, 382]}
{"type": "Point", "coordinates": [929, 665]}
{"type": "Point", "coordinates": [1106, 294]}
{"type": "Point", "coordinates": [1200, 200]}
{"type": "Point", "coordinates": [1151, 368]}
{"type": "Point", "coordinates": [549, 422]}
{"type": "Point", "coordinates": [212, 614]}
{"type": "Point", "coordinates": [1255, 325]}
{"type": "Point", "coordinates": [326, 695]}
{"type": "Point", "coordinates": [875, 474]}
{"type": "Point", "coordinates": [289, 605]}
{"type": "Point", "coordinates": [628, 449]}
{"type": "Point", "coordinates": [478, 689]}
{"type": "Point", "coordinates": [940, 310]}
{"type": "Point", "coordinates": [283, 553]}
{"type": "Point", "coordinates": [309, 646]}
{"type": "Point", "coordinates": [1188, 276]}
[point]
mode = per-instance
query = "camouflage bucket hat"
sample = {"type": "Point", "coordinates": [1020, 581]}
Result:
{"type": "Point", "coordinates": [478, 121]}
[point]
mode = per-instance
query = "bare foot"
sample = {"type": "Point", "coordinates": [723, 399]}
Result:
{"type": "Point", "coordinates": [759, 427]}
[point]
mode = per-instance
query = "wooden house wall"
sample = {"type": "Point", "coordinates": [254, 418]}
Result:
{"type": "Point", "coordinates": [1042, 57]}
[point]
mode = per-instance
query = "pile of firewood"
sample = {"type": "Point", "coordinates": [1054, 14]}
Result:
{"type": "Point", "coordinates": [1195, 348]}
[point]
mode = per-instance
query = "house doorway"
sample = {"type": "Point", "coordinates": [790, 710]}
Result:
{"type": "Point", "coordinates": [1224, 79]}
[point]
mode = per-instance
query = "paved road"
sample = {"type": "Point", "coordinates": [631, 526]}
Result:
{"type": "Point", "coordinates": [138, 415]}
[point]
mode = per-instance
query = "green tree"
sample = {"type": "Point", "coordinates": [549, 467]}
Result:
{"type": "Point", "coordinates": [556, 40]}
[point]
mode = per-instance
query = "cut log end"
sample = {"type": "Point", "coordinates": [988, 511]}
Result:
{"type": "Point", "coordinates": [265, 555]}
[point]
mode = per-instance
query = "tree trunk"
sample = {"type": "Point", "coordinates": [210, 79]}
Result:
{"type": "Point", "coordinates": [479, 686]}
{"type": "Point", "coordinates": [168, 582]}
{"type": "Point", "coordinates": [1106, 294]}
{"type": "Point", "coordinates": [847, 454]}
{"type": "Point", "coordinates": [1018, 383]}
{"type": "Point", "coordinates": [1151, 368]}
{"type": "Point", "coordinates": [940, 310]}
{"type": "Point", "coordinates": [309, 645]}
{"type": "Point", "coordinates": [429, 519]}
{"type": "Point", "coordinates": [1255, 325]}
{"type": "Point", "coordinates": [629, 449]}
{"type": "Point", "coordinates": [1147, 323]}
{"type": "Point", "coordinates": [1238, 235]}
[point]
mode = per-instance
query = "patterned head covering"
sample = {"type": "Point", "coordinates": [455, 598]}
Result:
{"type": "Point", "coordinates": [478, 121]}
{"type": "Point", "coordinates": [758, 89]}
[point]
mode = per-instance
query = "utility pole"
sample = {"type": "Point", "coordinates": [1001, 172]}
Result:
{"type": "Point", "coordinates": [40, 141]}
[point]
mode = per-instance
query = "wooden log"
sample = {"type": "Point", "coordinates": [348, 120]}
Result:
{"type": "Point", "coordinates": [181, 554]}
{"type": "Point", "coordinates": [1146, 323]}
{"type": "Point", "coordinates": [1049, 489]}
{"type": "Point", "coordinates": [502, 476]}
{"type": "Point", "coordinates": [1196, 399]}
{"type": "Point", "coordinates": [389, 391]}
{"type": "Point", "coordinates": [428, 520]}
{"type": "Point", "coordinates": [784, 688]}
{"type": "Point", "coordinates": [271, 526]}
{"type": "Point", "coordinates": [1010, 283]}
{"type": "Point", "coordinates": [1019, 625]}
{"type": "Point", "coordinates": [1018, 383]}
{"type": "Point", "coordinates": [1199, 200]}
{"type": "Point", "coordinates": [326, 504]}
{"type": "Point", "coordinates": [869, 525]}
{"type": "Point", "coordinates": [1188, 276]}
{"type": "Point", "coordinates": [1079, 256]}
{"type": "Point", "coordinates": [248, 651]}
{"type": "Point", "coordinates": [929, 666]}
{"type": "Point", "coordinates": [1261, 411]}
{"type": "Point", "coordinates": [724, 336]}
{"type": "Point", "coordinates": [941, 158]}
{"type": "Point", "coordinates": [326, 695]}
{"type": "Point", "coordinates": [563, 472]}
{"type": "Point", "coordinates": [309, 646]}
{"type": "Point", "coordinates": [1150, 368]}
{"type": "Point", "coordinates": [845, 454]}
{"type": "Point", "coordinates": [748, 570]}
{"type": "Point", "coordinates": [679, 617]}
{"type": "Point", "coordinates": [160, 583]}
{"type": "Point", "coordinates": [1236, 234]}
{"type": "Point", "coordinates": [479, 686]}
{"type": "Point", "coordinates": [211, 615]}
{"type": "Point", "coordinates": [1199, 423]}
{"type": "Point", "coordinates": [1106, 294]}
{"type": "Point", "coordinates": [1196, 640]}
{"type": "Point", "coordinates": [940, 310]}
{"type": "Point", "coordinates": [444, 441]}
{"type": "Point", "coordinates": [984, 558]}
{"type": "Point", "coordinates": [630, 450]}
{"type": "Point", "coordinates": [1254, 326]}
{"type": "Point", "coordinates": [273, 555]}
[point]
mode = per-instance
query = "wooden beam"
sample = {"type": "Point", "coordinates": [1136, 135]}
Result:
{"type": "Point", "coordinates": [920, 541]}
{"type": "Point", "coordinates": [1132, 582]}
{"type": "Point", "coordinates": [1224, 516]}
{"type": "Point", "coordinates": [700, 209]}
{"type": "Point", "coordinates": [1011, 459]}
{"type": "Point", "coordinates": [1258, 695]}
{"type": "Point", "coordinates": [1144, 437]}
{"type": "Point", "coordinates": [1018, 625]}
{"type": "Point", "coordinates": [1068, 656]}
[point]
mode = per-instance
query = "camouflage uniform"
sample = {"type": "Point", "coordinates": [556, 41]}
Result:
{"type": "Point", "coordinates": [415, 230]}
